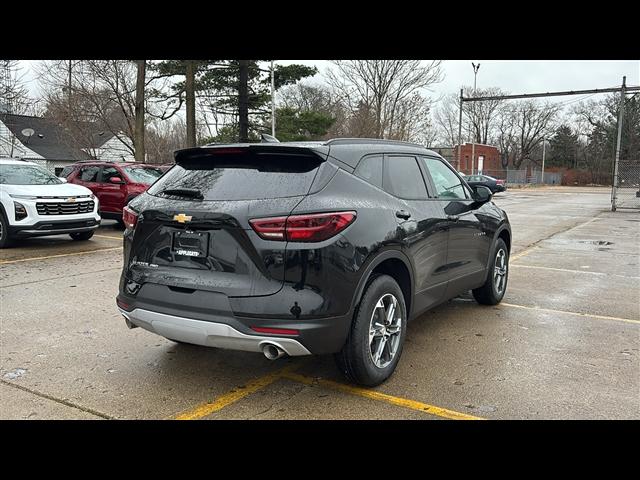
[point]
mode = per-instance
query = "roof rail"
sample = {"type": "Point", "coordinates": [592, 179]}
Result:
{"type": "Point", "coordinates": [360, 141]}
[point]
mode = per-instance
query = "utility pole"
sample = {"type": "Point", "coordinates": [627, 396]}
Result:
{"type": "Point", "coordinates": [614, 197]}
{"type": "Point", "coordinates": [273, 103]}
{"type": "Point", "coordinates": [460, 133]}
{"type": "Point", "coordinates": [544, 144]}
{"type": "Point", "coordinates": [473, 138]}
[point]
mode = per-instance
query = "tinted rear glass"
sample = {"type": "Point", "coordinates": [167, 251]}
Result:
{"type": "Point", "coordinates": [370, 169]}
{"type": "Point", "coordinates": [242, 176]}
{"type": "Point", "coordinates": [403, 178]}
{"type": "Point", "coordinates": [143, 174]}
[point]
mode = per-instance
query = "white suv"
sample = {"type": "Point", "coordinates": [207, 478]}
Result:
{"type": "Point", "coordinates": [34, 202]}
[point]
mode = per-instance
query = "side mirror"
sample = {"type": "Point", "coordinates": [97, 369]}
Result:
{"type": "Point", "coordinates": [116, 180]}
{"type": "Point", "coordinates": [481, 194]}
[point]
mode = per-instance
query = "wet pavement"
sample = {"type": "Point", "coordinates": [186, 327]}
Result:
{"type": "Point", "coordinates": [563, 344]}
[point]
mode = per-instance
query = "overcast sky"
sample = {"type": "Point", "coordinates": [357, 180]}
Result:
{"type": "Point", "coordinates": [527, 76]}
{"type": "Point", "coordinates": [521, 76]}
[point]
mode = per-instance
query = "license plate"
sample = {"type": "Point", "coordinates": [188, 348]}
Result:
{"type": "Point", "coordinates": [191, 244]}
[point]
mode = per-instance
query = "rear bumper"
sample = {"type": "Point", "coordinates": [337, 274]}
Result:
{"type": "Point", "coordinates": [319, 335]}
{"type": "Point", "coordinates": [209, 334]}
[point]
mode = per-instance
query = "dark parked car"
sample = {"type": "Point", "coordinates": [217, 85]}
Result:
{"type": "Point", "coordinates": [308, 248]}
{"type": "Point", "coordinates": [494, 184]}
{"type": "Point", "coordinates": [114, 183]}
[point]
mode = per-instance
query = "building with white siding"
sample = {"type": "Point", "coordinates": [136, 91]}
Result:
{"type": "Point", "coordinates": [54, 147]}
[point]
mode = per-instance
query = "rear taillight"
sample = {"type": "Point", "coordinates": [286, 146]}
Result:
{"type": "Point", "coordinates": [314, 227]}
{"type": "Point", "coordinates": [317, 227]}
{"type": "Point", "coordinates": [500, 182]}
{"type": "Point", "coordinates": [129, 217]}
{"type": "Point", "coordinates": [269, 228]}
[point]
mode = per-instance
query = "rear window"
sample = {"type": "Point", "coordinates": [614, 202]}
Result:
{"type": "Point", "coordinates": [242, 176]}
{"type": "Point", "coordinates": [370, 169]}
{"type": "Point", "coordinates": [143, 174]}
{"type": "Point", "coordinates": [66, 171]}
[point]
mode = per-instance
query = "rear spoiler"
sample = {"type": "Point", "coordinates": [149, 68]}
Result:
{"type": "Point", "coordinates": [209, 153]}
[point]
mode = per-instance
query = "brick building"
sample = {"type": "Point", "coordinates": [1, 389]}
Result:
{"type": "Point", "coordinates": [486, 159]}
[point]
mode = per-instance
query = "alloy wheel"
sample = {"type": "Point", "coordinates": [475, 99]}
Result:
{"type": "Point", "coordinates": [384, 330]}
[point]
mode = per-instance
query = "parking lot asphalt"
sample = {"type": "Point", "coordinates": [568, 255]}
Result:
{"type": "Point", "coordinates": [564, 344]}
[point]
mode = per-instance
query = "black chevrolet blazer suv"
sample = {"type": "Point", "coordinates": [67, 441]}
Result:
{"type": "Point", "coordinates": [308, 248]}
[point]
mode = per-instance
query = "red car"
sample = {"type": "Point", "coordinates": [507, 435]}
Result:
{"type": "Point", "coordinates": [114, 183]}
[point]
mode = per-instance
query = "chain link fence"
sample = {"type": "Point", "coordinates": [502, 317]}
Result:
{"type": "Point", "coordinates": [523, 177]}
{"type": "Point", "coordinates": [626, 191]}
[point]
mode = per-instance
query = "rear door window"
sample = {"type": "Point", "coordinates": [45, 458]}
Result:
{"type": "Point", "coordinates": [89, 174]}
{"type": "Point", "coordinates": [242, 176]}
{"type": "Point", "coordinates": [403, 178]}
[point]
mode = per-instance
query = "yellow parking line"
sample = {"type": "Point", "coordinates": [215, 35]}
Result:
{"type": "Point", "coordinates": [383, 397]}
{"type": "Point", "coordinates": [524, 252]}
{"type": "Point", "coordinates": [550, 310]}
{"type": "Point", "coordinates": [108, 236]}
{"type": "Point", "coordinates": [233, 396]}
{"type": "Point", "coordinates": [4, 262]}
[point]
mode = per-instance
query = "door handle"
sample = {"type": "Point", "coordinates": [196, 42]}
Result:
{"type": "Point", "coordinates": [403, 214]}
{"type": "Point", "coordinates": [453, 218]}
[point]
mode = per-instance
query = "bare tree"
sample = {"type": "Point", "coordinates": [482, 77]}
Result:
{"type": "Point", "coordinates": [446, 118]}
{"type": "Point", "coordinates": [380, 87]}
{"type": "Point", "coordinates": [14, 96]}
{"type": "Point", "coordinates": [163, 137]}
{"type": "Point", "coordinates": [481, 115]}
{"type": "Point", "coordinates": [99, 92]}
{"type": "Point", "coordinates": [522, 127]}
{"type": "Point", "coordinates": [413, 121]}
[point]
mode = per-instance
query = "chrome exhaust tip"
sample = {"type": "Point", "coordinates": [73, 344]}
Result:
{"type": "Point", "coordinates": [273, 352]}
{"type": "Point", "coordinates": [129, 324]}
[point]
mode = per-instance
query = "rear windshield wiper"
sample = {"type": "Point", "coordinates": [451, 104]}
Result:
{"type": "Point", "coordinates": [184, 192]}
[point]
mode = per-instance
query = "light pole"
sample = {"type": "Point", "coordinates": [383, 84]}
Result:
{"type": "Point", "coordinates": [473, 139]}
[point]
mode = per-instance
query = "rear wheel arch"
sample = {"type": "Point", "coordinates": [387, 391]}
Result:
{"type": "Point", "coordinates": [396, 265]}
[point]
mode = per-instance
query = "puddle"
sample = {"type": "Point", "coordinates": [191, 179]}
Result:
{"type": "Point", "coordinates": [16, 373]}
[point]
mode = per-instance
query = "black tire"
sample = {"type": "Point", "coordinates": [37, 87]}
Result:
{"type": "Point", "coordinates": [356, 359]}
{"type": "Point", "coordinates": [5, 238]}
{"type": "Point", "coordinates": [80, 236]}
{"type": "Point", "coordinates": [489, 293]}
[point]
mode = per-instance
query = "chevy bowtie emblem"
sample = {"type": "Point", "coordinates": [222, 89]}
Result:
{"type": "Point", "coordinates": [71, 199]}
{"type": "Point", "coordinates": [182, 218]}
